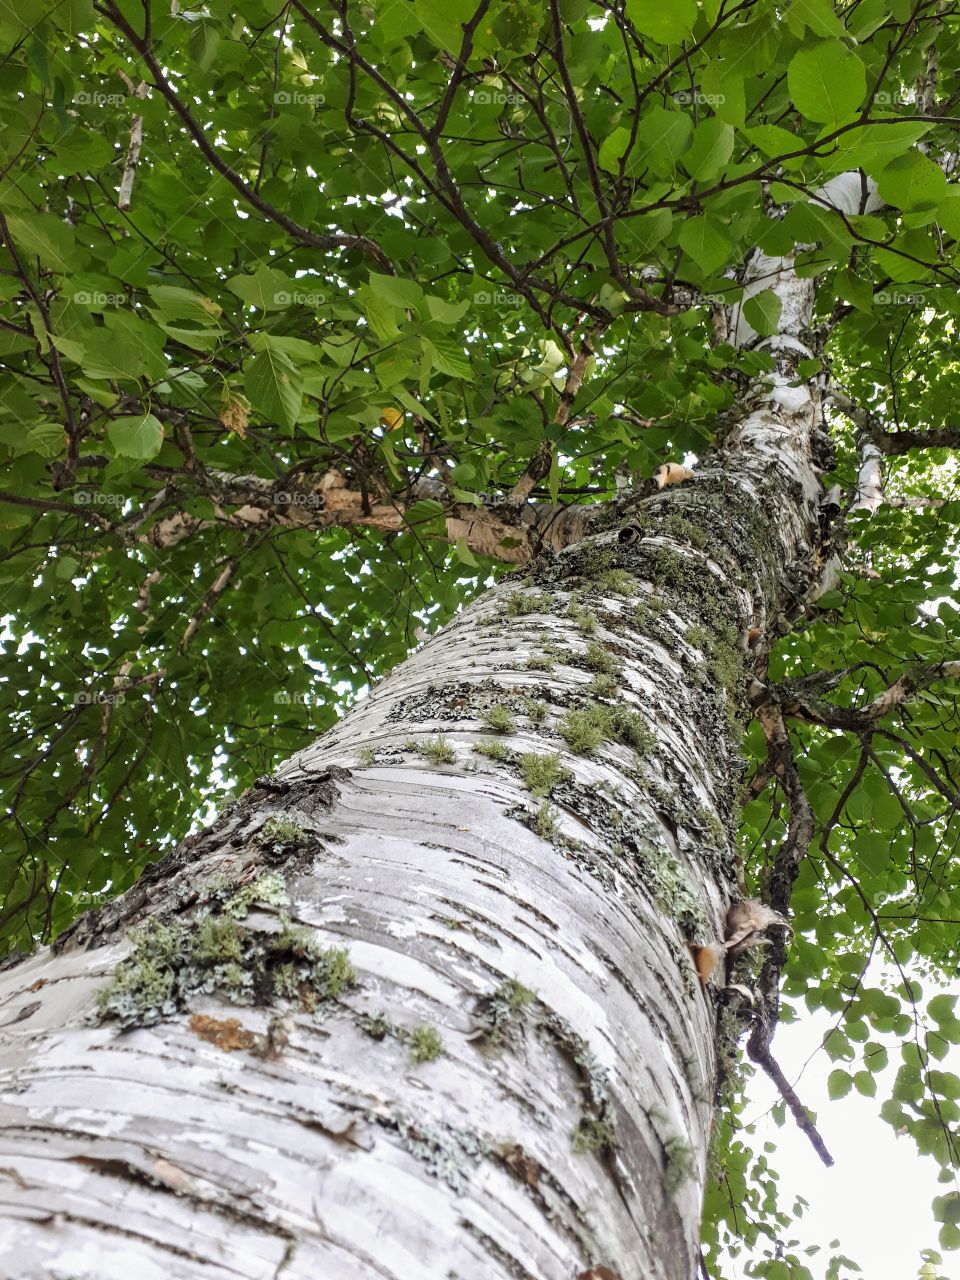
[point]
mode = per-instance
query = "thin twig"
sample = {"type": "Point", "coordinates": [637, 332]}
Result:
{"type": "Point", "coordinates": [797, 1109]}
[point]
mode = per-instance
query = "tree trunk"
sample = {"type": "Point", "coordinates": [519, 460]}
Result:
{"type": "Point", "coordinates": [423, 1003]}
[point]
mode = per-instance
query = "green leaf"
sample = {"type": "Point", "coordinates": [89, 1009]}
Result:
{"type": "Point", "coordinates": [43, 438]}
{"type": "Point", "coordinates": [706, 241]}
{"type": "Point", "coordinates": [399, 293]}
{"type": "Point", "coordinates": [762, 312]}
{"type": "Point", "coordinates": [662, 138]}
{"type": "Point", "coordinates": [448, 359]}
{"type": "Point", "coordinates": [267, 289]}
{"type": "Point", "coordinates": [947, 1208]}
{"type": "Point", "coordinates": [443, 21]}
{"type": "Point", "coordinates": [274, 387]}
{"type": "Point", "coordinates": [49, 238]}
{"type": "Point", "coordinates": [817, 15]}
{"type": "Point", "coordinates": [612, 148]}
{"type": "Point", "coordinates": [381, 315]}
{"type": "Point", "coordinates": [204, 43]}
{"type": "Point", "coordinates": [913, 181]}
{"type": "Point", "coordinates": [941, 1007]}
{"type": "Point", "coordinates": [666, 23]}
{"type": "Point", "coordinates": [465, 555]}
{"type": "Point", "coordinates": [865, 1084]}
{"type": "Point", "coordinates": [723, 91]}
{"type": "Point", "coordinates": [120, 356]}
{"type": "Point", "coordinates": [875, 1056]}
{"type": "Point", "coordinates": [174, 303]}
{"type": "Point", "coordinates": [710, 149]}
{"type": "Point", "coordinates": [839, 1083]}
{"type": "Point", "coordinates": [827, 82]}
{"type": "Point", "coordinates": [854, 289]}
{"type": "Point", "coordinates": [771, 140]}
{"type": "Point", "coordinates": [136, 437]}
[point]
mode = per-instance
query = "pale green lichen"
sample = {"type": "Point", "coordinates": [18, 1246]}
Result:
{"type": "Point", "coordinates": [536, 710]}
{"type": "Point", "coordinates": [585, 619]}
{"type": "Point", "coordinates": [491, 748]}
{"type": "Point", "coordinates": [277, 830]}
{"type": "Point", "coordinates": [584, 728]}
{"type": "Point", "coordinates": [438, 751]}
{"type": "Point", "coordinates": [217, 939]}
{"type": "Point", "coordinates": [602, 686]}
{"type": "Point", "coordinates": [376, 1025]}
{"type": "Point", "coordinates": [365, 757]}
{"type": "Point", "coordinates": [499, 719]}
{"type": "Point", "coordinates": [545, 822]}
{"type": "Point", "coordinates": [270, 888]}
{"type": "Point", "coordinates": [699, 637]}
{"type": "Point", "coordinates": [680, 1165]}
{"type": "Point", "coordinates": [644, 615]}
{"type": "Point", "coordinates": [211, 954]}
{"type": "Point", "coordinates": [446, 1153]}
{"type": "Point", "coordinates": [593, 560]}
{"type": "Point", "coordinates": [616, 582]}
{"type": "Point", "coordinates": [592, 1134]}
{"type": "Point", "coordinates": [521, 603]}
{"type": "Point", "coordinates": [426, 1043]}
{"type": "Point", "coordinates": [599, 659]}
{"type": "Point", "coordinates": [684, 530]}
{"type": "Point", "coordinates": [630, 728]}
{"type": "Point", "coordinates": [542, 772]}
{"type": "Point", "coordinates": [496, 1012]}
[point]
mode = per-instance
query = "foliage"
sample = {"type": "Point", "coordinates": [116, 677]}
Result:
{"type": "Point", "coordinates": [365, 248]}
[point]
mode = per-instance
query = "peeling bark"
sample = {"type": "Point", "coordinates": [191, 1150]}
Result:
{"type": "Point", "coordinates": [497, 528]}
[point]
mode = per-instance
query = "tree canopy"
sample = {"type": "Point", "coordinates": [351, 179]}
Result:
{"type": "Point", "coordinates": [313, 317]}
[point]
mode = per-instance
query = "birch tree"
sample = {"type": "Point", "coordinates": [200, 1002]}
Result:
{"type": "Point", "coordinates": [548, 405]}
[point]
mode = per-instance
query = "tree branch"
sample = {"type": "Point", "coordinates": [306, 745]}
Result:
{"type": "Point", "coordinates": [894, 443]}
{"type": "Point", "coordinates": [337, 240]}
{"type": "Point", "coordinates": [812, 710]}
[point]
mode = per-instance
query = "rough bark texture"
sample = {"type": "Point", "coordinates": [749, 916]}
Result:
{"type": "Point", "coordinates": [409, 1009]}
{"type": "Point", "coordinates": [566, 1121]}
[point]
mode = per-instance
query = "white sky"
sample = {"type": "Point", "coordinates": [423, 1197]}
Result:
{"type": "Point", "coordinates": [876, 1198]}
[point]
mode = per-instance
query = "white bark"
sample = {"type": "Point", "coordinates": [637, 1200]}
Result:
{"type": "Point", "coordinates": [869, 477]}
{"type": "Point", "coordinates": [225, 1163]}
{"type": "Point", "coordinates": [125, 195]}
